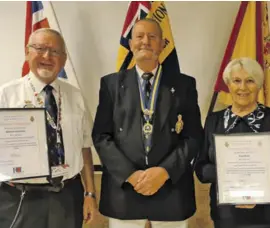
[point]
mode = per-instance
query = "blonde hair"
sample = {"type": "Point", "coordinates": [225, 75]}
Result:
{"type": "Point", "coordinates": [251, 66]}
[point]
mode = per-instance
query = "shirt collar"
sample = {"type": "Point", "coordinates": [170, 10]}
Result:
{"type": "Point", "coordinates": [39, 85]}
{"type": "Point", "coordinates": [253, 119]}
{"type": "Point", "coordinates": [141, 72]}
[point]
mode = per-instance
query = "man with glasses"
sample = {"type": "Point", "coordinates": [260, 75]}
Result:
{"type": "Point", "coordinates": [58, 200]}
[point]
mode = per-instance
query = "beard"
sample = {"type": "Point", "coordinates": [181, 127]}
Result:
{"type": "Point", "coordinates": [143, 56]}
{"type": "Point", "coordinates": [43, 73]}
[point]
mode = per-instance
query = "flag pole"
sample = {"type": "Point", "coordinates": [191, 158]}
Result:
{"type": "Point", "coordinates": [71, 63]}
{"type": "Point", "coordinates": [228, 53]}
{"type": "Point", "coordinates": [213, 102]}
{"type": "Point", "coordinates": [97, 167]}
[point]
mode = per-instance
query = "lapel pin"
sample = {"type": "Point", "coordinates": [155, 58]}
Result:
{"type": "Point", "coordinates": [179, 124]}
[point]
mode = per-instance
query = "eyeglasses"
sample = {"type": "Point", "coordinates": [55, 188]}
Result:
{"type": "Point", "coordinates": [42, 50]}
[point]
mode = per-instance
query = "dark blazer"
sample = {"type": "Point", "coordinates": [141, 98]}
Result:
{"type": "Point", "coordinates": [206, 172]}
{"type": "Point", "coordinates": [117, 137]}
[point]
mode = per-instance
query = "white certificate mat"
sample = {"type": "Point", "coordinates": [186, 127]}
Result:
{"type": "Point", "coordinates": [23, 144]}
{"type": "Point", "coordinates": [243, 162]}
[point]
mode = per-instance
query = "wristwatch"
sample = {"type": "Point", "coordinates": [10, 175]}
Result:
{"type": "Point", "coordinates": [91, 194]}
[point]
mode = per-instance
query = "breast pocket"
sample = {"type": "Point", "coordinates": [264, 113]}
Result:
{"type": "Point", "coordinates": [73, 129]}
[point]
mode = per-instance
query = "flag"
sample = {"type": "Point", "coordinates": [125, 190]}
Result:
{"type": "Point", "coordinates": [41, 15]}
{"type": "Point", "coordinates": [147, 9]}
{"type": "Point", "coordinates": [249, 38]}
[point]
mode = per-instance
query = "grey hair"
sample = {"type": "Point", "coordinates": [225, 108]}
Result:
{"type": "Point", "coordinates": [151, 20]}
{"type": "Point", "coordinates": [251, 66]}
{"type": "Point", "coordinates": [48, 30]}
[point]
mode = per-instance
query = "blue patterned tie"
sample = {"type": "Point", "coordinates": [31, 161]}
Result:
{"type": "Point", "coordinates": [147, 77]}
{"type": "Point", "coordinates": [147, 91]}
{"type": "Point", "coordinates": [56, 154]}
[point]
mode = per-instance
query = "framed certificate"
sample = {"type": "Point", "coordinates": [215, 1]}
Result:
{"type": "Point", "coordinates": [23, 144]}
{"type": "Point", "coordinates": [243, 168]}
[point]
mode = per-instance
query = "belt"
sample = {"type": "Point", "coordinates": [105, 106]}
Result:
{"type": "Point", "coordinates": [43, 187]}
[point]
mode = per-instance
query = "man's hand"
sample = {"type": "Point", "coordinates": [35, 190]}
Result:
{"type": "Point", "coordinates": [247, 206]}
{"type": "Point", "coordinates": [151, 181]}
{"type": "Point", "coordinates": [134, 177]}
{"type": "Point", "coordinates": [90, 210]}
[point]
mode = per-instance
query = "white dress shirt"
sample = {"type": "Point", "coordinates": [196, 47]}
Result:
{"type": "Point", "coordinates": [75, 123]}
{"type": "Point", "coordinates": [140, 72]}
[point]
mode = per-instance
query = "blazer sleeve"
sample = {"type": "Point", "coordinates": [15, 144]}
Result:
{"type": "Point", "coordinates": [115, 161]}
{"type": "Point", "coordinates": [182, 156]}
{"type": "Point", "coordinates": [205, 168]}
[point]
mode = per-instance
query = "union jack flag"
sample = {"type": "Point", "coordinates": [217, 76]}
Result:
{"type": "Point", "coordinates": [34, 20]}
{"type": "Point", "coordinates": [42, 15]}
{"type": "Point", "coordinates": [136, 11]}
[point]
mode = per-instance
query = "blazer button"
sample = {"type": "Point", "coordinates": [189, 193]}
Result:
{"type": "Point", "coordinates": [120, 129]}
{"type": "Point", "coordinates": [172, 130]}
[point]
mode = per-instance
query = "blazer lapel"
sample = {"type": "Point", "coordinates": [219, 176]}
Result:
{"type": "Point", "coordinates": [163, 106]}
{"type": "Point", "coordinates": [130, 99]}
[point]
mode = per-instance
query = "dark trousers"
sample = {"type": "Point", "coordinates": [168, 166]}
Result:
{"type": "Point", "coordinates": [227, 216]}
{"type": "Point", "coordinates": [43, 209]}
{"type": "Point", "coordinates": [227, 223]}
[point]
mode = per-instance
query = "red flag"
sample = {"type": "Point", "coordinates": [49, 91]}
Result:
{"type": "Point", "coordinates": [246, 40]}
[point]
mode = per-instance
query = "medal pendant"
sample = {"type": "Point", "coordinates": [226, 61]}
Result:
{"type": "Point", "coordinates": [147, 129]}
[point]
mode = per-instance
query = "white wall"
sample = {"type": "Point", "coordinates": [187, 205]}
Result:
{"type": "Point", "coordinates": [92, 31]}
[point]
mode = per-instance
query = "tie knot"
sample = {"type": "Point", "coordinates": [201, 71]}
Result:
{"type": "Point", "coordinates": [147, 76]}
{"type": "Point", "coordinates": [48, 88]}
